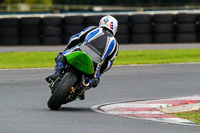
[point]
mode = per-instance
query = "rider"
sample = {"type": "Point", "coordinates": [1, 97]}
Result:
{"type": "Point", "coordinates": [98, 42]}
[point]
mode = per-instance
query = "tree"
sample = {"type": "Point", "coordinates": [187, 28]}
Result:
{"type": "Point", "coordinates": [48, 2]}
{"type": "Point", "coordinates": [12, 1]}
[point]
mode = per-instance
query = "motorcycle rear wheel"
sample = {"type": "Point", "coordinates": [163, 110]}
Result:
{"type": "Point", "coordinates": [59, 94]}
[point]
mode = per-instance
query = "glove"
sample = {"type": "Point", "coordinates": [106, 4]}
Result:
{"type": "Point", "coordinates": [93, 82]}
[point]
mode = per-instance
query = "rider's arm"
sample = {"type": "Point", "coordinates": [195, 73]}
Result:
{"type": "Point", "coordinates": [107, 64]}
{"type": "Point", "coordinates": [79, 37]}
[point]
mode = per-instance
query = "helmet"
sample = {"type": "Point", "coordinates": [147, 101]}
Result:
{"type": "Point", "coordinates": [110, 23]}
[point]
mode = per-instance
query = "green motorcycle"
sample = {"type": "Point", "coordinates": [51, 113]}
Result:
{"type": "Point", "coordinates": [73, 81]}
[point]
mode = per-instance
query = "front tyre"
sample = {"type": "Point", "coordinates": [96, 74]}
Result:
{"type": "Point", "coordinates": [59, 94]}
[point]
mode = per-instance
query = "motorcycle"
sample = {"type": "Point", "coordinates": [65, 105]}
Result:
{"type": "Point", "coordinates": [73, 81]}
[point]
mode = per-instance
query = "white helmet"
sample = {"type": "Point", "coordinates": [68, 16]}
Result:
{"type": "Point", "coordinates": [110, 23]}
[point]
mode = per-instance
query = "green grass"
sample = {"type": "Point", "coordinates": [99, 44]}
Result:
{"type": "Point", "coordinates": [27, 59]}
{"type": "Point", "coordinates": [158, 56]}
{"type": "Point", "coordinates": [192, 116]}
{"type": "Point", "coordinates": [46, 59]}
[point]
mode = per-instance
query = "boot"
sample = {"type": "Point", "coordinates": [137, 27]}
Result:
{"type": "Point", "coordinates": [53, 77]}
{"type": "Point", "coordinates": [59, 67]}
{"type": "Point", "coordinates": [58, 70]}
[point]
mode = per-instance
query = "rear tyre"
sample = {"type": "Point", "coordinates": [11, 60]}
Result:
{"type": "Point", "coordinates": [59, 94]}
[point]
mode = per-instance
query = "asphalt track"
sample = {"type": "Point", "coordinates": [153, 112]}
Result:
{"type": "Point", "coordinates": [24, 93]}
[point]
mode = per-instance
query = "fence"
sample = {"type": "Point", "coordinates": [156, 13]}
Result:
{"type": "Point", "coordinates": [133, 29]}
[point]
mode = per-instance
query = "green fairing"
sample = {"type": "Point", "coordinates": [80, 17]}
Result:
{"type": "Point", "coordinates": [81, 61]}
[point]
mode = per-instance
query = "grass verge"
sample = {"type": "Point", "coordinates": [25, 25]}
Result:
{"type": "Point", "coordinates": [158, 56]}
{"type": "Point", "coordinates": [192, 116]}
{"type": "Point", "coordinates": [46, 59]}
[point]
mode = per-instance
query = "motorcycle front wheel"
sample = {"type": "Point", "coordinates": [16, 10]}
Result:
{"type": "Point", "coordinates": [59, 94]}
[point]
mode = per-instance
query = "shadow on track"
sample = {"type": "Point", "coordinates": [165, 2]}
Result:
{"type": "Point", "coordinates": [75, 109]}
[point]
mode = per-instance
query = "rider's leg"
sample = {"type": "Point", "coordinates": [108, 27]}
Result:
{"type": "Point", "coordinates": [93, 82]}
{"type": "Point", "coordinates": [59, 67]}
{"type": "Point", "coordinates": [61, 61]}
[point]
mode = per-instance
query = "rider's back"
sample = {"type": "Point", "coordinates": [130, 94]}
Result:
{"type": "Point", "coordinates": [99, 43]}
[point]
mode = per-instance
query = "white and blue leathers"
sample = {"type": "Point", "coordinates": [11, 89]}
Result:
{"type": "Point", "coordinates": [99, 43]}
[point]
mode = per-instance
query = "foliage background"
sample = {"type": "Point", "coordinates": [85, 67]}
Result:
{"type": "Point", "coordinates": [108, 2]}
